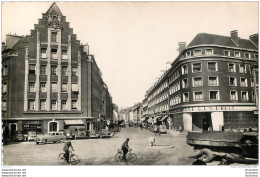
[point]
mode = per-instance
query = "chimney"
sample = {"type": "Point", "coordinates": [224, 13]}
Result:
{"type": "Point", "coordinates": [254, 39]}
{"type": "Point", "coordinates": [234, 36]}
{"type": "Point", "coordinates": [182, 46]}
{"type": "Point", "coordinates": [86, 48]}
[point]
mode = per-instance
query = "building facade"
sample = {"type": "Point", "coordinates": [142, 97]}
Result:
{"type": "Point", "coordinates": [210, 84]}
{"type": "Point", "coordinates": [49, 80]}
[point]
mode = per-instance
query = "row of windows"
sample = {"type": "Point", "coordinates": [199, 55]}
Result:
{"type": "Point", "coordinates": [176, 87]}
{"type": "Point", "coordinates": [54, 87]}
{"type": "Point", "coordinates": [54, 53]}
{"type": "Point", "coordinates": [174, 76]}
{"type": "Point", "coordinates": [213, 66]}
{"type": "Point", "coordinates": [160, 108]}
{"type": "Point", "coordinates": [175, 100]}
{"type": "Point", "coordinates": [161, 88]}
{"type": "Point", "coordinates": [43, 70]}
{"type": "Point", "coordinates": [209, 52]}
{"type": "Point", "coordinates": [53, 103]}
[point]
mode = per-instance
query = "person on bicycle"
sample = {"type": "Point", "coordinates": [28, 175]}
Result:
{"type": "Point", "coordinates": [66, 149]}
{"type": "Point", "coordinates": [125, 148]}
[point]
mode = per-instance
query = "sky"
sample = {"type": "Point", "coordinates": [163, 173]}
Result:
{"type": "Point", "coordinates": [133, 41]}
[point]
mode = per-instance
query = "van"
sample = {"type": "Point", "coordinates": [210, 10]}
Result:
{"type": "Point", "coordinates": [75, 132]}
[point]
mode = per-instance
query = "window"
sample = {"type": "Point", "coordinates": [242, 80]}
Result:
{"type": "Point", "coordinates": [43, 52]}
{"type": "Point", "coordinates": [42, 70]}
{"type": "Point", "coordinates": [213, 95]}
{"type": "Point", "coordinates": [53, 70]}
{"type": "Point", "coordinates": [64, 71]}
{"type": "Point", "coordinates": [231, 67]}
{"type": "Point", "coordinates": [31, 87]}
{"type": "Point", "coordinates": [226, 52]}
{"type": "Point", "coordinates": [237, 54]}
{"type": "Point", "coordinates": [53, 105]}
{"type": "Point", "coordinates": [244, 96]}
{"type": "Point", "coordinates": [242, 68]}
{"type": "Point", "coordinates": [5, 70]}
{"type": "Point", "coordinates": [213, 81]}
{"type": "Point", "coordinates": [184, 69]}
{"type": "Point", "coordinates": [197, 81]}
{"type": "Point", "coordinates": [212, 66]}
{"type": "Point", "coordinates": [43, 104]}
{"type": "Point", "coordinates": [197, 52]}
{"type": "Point", "coordinates": [74, 104]}
{"type": "Point", "coordinates": [243, 82]}
{"type": "Point", "coordinates": [3, 105]}
{"type": "Point", "coordinates": [209, 51]}
{"type": "Point", "coordinates": [75, 87]}
{"type": "Point", "coordinates": [188, 54]}
{"type": "Point", "coordinates": [233, 95]}
{"type": "Point", "coordinates": [64, 104]}
{"type": "Point", "coordinates": [232, 81]}
{"type": "Point", "coordinates": [185, 83]}
{"type": "Point", "coordinates": [247, 55]}
{"type": "Point", "coordinates": [252, 82]}
{"type": "Point", "coordinates": [64, 54]}
{"type": "Point", "coordinates": [198, 96]}
{"type": "Point", "coordinates": [54, 37]}
{"type": "Point", "coordinates": [53, 126]}
{"type": "Point", "coordinates": [253, 96]}
{"type": "Point", "coordinates": [74, 71]}
{"type": "Point", "coordinates": [31, 69]}
{"type": "Point", "coordinates": [4, 87]}
{"type": "Point", "coordinates": [64, 88]}
{"type": "Point", "coordinates": [54, 53]}
{"type": "Point", "coordinates": [196, 67]}
{"type": "Point", "coordinates": [54, 87]}
{"type": "Point", "coordinates": [43, 86]}
{"type": "Point", "coordinates": [186, 97]}
{"type": "Point", "coordinates": [256, 56]}
{"type": "Point", "coordinates": [31, 104]}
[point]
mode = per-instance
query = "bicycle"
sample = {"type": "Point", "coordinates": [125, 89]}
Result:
{"type": "Point", "coordinates": [73, 158]}
{"type": "Point", "coordinates": [130, 157]}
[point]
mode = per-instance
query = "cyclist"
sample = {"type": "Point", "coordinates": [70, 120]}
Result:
{"type": "Point", "coordinates": [66, 149]}
{"type": "Point", "coordinates": [125, 148]}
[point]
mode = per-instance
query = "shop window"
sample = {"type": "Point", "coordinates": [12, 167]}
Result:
{"type": "Point", "coordinates": [232, 81]}
{"type": "Point", "coordinates": [64, 104]}
{"type": "Point", "coordinates": [197, 81]}
{"type": "Point", "coordinates": [213, 81]}
{"type": "Point", "coordinates": [198, 96]}
{"type": "Point", "coordinates": [214, 95]}
{"type": "Point", "coordinates": [184, 69]}
{"type": "Point", "coordinates": [43, 52]}
{"type": "Point", "coordinates": [43, 104]}
{"type": "Point", "coordinates": [186, 97]}
{"type": "Point", "coordinates": [54, 87]}
{"type": "Point", "coordinates": [31, 86]}
{"type": "Point", "coordinates": [209, 51]}
{"type": "Point", "coordinates": [244, 96]}
{"type": "Point", "coordinates": [31, 104]}
{"type": "Point", "coordinates": [32, 69]}
{"type": "Point", "coordinates": [212, 66]}
{"type": "Point", "coordinates": [53, 104]}
{"type": "Point", "coordinates": [227, 52]}
{"type": "Point", "coordinates": [43, 69]}
{"type": "Point", "coordinates": [53, 126]}
{"type": "Point", "coordinates": [243, 82]}
{"type": "Point", "coordinates": [53, 70]}
{"type": "Point", "coordinates": [196, 67]}
{"type": "Point", "coordinates": [43, 86]}
{"type": "Point", "coordinates": [233, 95]}
{"type": "Point", "coordinates": [231, 67]}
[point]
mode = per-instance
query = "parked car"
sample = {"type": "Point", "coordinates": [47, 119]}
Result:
{"type": "Point", "coordinates": [31, 136]}
{"type": "Point", "coordinates": [74, 132]}
{"type": "Point", "coordinates": [92, 134]}
{"type": "Point", "coordinates": [18, 136]}
{"type": "Point", "coordinates": [54, 137]}
{"type": "Point", "coordinates": [104, 133]}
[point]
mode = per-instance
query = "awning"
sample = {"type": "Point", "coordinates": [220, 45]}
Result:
{"type": "Point", "coordinates": [164, 117]}
{"type": "Point", "coordinates": [74, 122]}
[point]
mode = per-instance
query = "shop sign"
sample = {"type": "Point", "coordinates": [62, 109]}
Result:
{"type": "Point", "coordinates": [33, 122]}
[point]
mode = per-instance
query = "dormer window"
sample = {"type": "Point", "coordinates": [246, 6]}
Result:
{"type": "Point", "coordinates": [227, 52]}
{"type": "Point", "coordinates": [188, 54]}
{"type": "Point", "coordinates": [247, 55]}
{"type": "Point", "coordinates": [197, 52]}
{"type": "Point", "coordinates": [209, 52]}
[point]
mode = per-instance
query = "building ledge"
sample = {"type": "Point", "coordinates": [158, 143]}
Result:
{"type": "Point", "coordinates": [53, 112]}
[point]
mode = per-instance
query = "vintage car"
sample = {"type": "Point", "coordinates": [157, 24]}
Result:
{"type": "Point", "coordinates": [103, 133]}
{"type": "Point", "coordinates": [75, 132]}
{"type": "Point", "coordinates": [31, 136]}
{"type": "Point", "coordinates": [54, 137]}
{"type": "Point", "coordinates": [92, 134]}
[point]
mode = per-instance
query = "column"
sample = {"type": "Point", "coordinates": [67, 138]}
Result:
{"type": "Point", "coordinates": [187, 121]}
{"type": "Point", "coordinates": [48, 83]}
{"type": "Point", "coordinates": [217, 119]}
{"type": "Point", "coordinates": [37, 83]}
{"type": "Point", "coordinates": [69, 73]}
{"type": "Point", "coordinates": [26, 79]}
{"type": "Point", "coordinates": [59, 71]}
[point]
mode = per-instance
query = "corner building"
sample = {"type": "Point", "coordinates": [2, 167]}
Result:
{"type": "Point", "coordinates": [211, 84]}
{"type": "Point", "coordinates": [49, 80]}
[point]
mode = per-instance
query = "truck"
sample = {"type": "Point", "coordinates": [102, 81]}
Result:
{"type": "Point", "coordinates": [234, 145]}
{"type": "Point", "coordinates": [75, 132]}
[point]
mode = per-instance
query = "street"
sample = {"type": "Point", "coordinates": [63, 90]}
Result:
{"type": "Point", "coordinates": [169, 150]}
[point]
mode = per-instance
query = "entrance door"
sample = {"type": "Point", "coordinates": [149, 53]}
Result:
{"type": "Point", "coordinates": [205, 124]}
{"type": "Point", "coordinates": [201, 121]}
{"type": "Point", "coordinates": [13, 129]}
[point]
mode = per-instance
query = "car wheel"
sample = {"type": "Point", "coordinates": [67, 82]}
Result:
{"type": "Point", "coordinates": [44, 141]}
{"type": "Point", "coordinates": [207, 155]}
{"type": "Point", "coordinates": [37, 142]}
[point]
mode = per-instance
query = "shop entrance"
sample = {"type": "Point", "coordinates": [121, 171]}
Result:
{"type": "Point", "coordinates": [201, 121]}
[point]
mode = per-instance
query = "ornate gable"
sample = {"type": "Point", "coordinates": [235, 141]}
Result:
{"type": "Point", "coordinates": [54, 17]}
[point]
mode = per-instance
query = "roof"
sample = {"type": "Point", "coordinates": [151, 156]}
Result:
{"type": "Point", "coordinates": [212, 39]}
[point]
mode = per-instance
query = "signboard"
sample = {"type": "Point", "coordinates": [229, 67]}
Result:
{"type": "Point", "coordinates": [32, 124]}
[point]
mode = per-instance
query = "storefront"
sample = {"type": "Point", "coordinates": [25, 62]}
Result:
{"type": "Point", "coordinates": [32, 126]}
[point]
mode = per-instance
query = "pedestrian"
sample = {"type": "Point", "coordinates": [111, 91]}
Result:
{"type": "Point", "coordinates": [199, 160]}
{"type": "Point", "coordinates": [125, 148]}
{"type": "Point", "coordinates": [222, 128]}
{"type": "Point", "coordinates": [141, 126]}
{"type": "Point", "coordinates": [180, 128]}
{"type": "Point", "coordinates": [245, 130]}
{"type": "Point", "coordinates": [66, 149]}
{"type": "Point", "coordinates": [151, 141]}
{"type": "Point", "coordinates": [250, 129]}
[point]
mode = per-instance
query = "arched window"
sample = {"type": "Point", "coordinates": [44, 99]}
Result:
{"type": "Point", "coordinates": [53, 126]}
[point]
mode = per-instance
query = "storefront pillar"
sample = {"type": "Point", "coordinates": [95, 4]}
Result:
{"type": "Point", "coordinates": [217, 119]}
{"type": "Point", "coordinates": [187, 121]}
